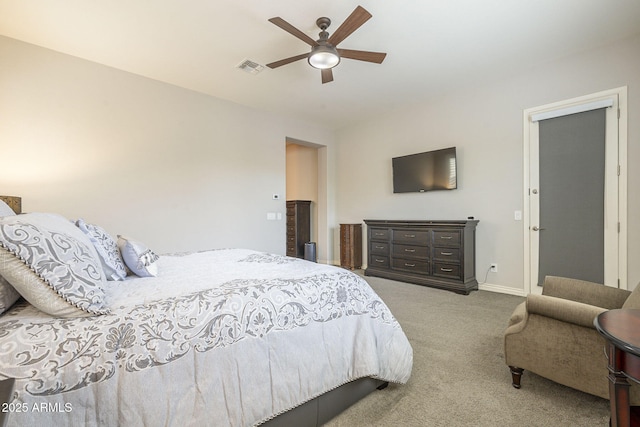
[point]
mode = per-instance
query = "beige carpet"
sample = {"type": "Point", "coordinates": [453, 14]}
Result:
{"type": "Point", "coordinates": [459, 376]}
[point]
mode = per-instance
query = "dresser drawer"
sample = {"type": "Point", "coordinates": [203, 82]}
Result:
{"type": "Point", "coordinates": [451, 238]}
{"type": "Point", "coordinates": [411, 265]}
{"type": "Point", "coordinates": [379, 248]}
{"type": "Point", "coordinates": [446, 254]}
{"type": "Point", "coordinates": [449, 271]}
{"type": "Point", "coordinates": [411, 237]}
{"type": "Point", "coordinates": [410, 251]}
{"type": "Point", "coordinates": [379, 234]}
{"type": "Point", "coordinates": [379, 261]}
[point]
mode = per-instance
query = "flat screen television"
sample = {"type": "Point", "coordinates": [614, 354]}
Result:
{"type": "Point", "coordinates": [428, 171]}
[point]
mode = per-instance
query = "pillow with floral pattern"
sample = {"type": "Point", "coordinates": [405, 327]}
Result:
{"type": "Point", "coordinates": [107, 249]}
{"type": "Point", "coordinates": [44, 257]}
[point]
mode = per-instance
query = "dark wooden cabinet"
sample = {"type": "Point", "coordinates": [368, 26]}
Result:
{"type": "Point", "coordinates": [351, 246]}
{"type": "Point", "coordinates": [298, 226]}
{"type": "Point", "coordinates": [440, 254]}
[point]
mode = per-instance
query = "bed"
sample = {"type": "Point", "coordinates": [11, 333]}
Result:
{"type": "Point", "coordinates": [103, 331]}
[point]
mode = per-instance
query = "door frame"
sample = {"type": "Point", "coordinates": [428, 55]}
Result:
{"type": "Point", "coordinates": [530, 138]}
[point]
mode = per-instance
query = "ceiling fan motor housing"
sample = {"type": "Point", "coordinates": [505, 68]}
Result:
{"type": "Point", "coordinates": [324, 55]}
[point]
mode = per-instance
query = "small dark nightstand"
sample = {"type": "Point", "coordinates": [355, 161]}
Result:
{"type": "Point", "coordinates": [351, 246]}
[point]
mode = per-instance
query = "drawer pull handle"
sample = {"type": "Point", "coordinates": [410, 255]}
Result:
{"type": "Point", "coordinates": [411, 236]}
{"type": "Point", "coordinates": [379, 260]}
{"type": "Point", "coordinates": [446, 253]}
{"type": "Point", "coordinates": [446, 270]}
{"type": "Point", "coordinates": [445, 237]}
{"type": "Point", "coordinates": [406, 264]}
{"type": "Point", "coordinates": [409, 250]}
{"type": "Point", "coordinates": [379, 247]}
{"type": "Point", "coordinates": [379, 234]}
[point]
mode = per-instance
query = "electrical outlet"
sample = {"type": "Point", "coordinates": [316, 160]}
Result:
{"type": "Point", "coordinates": [493, 268]}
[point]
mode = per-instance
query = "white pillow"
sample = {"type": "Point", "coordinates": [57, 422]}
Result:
{"type": "Point", "coordinates": [107, 249]}
{"type": "Point", "coordinates": [52, 264]}
{"type": "Point", "coordinates": [140, 259]}
{"type": "Point", "coordinates": [8, 295]}
{"type": "Point", "coordinates": [5, 209]}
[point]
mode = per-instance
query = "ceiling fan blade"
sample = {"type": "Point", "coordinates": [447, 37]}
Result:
{"type": "Point", "coordinates": [362, 55]}
{"type": "Point", "coordinates": [293, 30]}
{"type": "Point", "coordinates": [286, 61]}
{"type": "Point", "coordinates": [327, 75]}
{"type": "Point", "coordinates": [358, 17]}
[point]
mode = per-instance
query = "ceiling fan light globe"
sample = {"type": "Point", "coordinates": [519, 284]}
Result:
{"type": "Point", "coordinates": [323, 57]}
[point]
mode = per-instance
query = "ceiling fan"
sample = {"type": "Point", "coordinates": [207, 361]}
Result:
{"type": "Point", "coordinates": [324, 53]}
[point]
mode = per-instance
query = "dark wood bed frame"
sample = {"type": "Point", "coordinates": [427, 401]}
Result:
{"type": "Point", "coordinates": [6, 391]}
{"type": "Point", "coordinates": [318, 411]}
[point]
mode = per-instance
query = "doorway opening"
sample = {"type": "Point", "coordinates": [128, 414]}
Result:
{"type": "Point", "coordinates": [306, 179]}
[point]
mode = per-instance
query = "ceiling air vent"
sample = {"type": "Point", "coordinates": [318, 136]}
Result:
{"type": "Point", "coordinates": [250, 67]}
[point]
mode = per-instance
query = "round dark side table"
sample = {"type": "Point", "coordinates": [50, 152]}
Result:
{"type": "Point", "coordinates": [621, 329]}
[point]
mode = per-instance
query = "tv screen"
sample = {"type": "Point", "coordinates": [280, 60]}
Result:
{"type": "Point", "coordinates": [432, 170]}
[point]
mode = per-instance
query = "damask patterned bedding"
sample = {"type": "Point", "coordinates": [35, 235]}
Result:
{"type": "Point", "coordinates": [223, 337]}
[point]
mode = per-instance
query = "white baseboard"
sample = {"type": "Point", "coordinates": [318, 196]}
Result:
{"type": "Point", "coordinates": [501, 289]}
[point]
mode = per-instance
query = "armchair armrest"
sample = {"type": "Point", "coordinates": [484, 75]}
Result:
{"type": "Point", "coordinates": [585, 292]}
{"type": "Point", "coordinates": [563, 309]}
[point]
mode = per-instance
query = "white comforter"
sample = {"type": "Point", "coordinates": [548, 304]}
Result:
{"type": "Point", "coordinates": [224, 337]}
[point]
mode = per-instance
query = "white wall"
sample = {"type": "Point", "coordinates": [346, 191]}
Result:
{"type": "Point", "coordinates": [485, 124]}
{"type": "Point", "coordinates": [176, 169]}
{"type": "Point", "coordinates": [302, 172]}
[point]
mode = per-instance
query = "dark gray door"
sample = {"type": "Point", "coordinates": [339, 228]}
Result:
{"type": "Point", "coordinates": [572, 196]}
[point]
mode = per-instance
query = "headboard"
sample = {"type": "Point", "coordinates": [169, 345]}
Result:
{"type": "Point", "coordinates": [15, 203]}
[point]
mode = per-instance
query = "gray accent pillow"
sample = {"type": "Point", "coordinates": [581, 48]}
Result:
{"type": "Point", "coordinates": [140, 259]}
{"type": "Point", "coordinates": [52, 264]}
{"type": "Point", "coordinates": [8, 295]}
{"type": "Point", "coordinates": [107, 249]}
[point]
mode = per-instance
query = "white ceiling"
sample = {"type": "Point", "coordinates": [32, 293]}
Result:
{"type": "Point", "coordinates": [432, 46]}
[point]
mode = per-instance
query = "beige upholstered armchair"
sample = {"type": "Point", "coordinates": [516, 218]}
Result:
{"type": "Point", "coordinates": [553, 334]}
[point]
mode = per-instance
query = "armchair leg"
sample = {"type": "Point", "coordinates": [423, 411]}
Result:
{"type": "Point", "coordinates": [516, 375]}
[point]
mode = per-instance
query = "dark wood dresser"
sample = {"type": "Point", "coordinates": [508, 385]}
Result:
{"type": "Point", "coordinates": [440, 254]}
{"type": "Point", "coordinates": [351, 246]}
{"type": "Point", "coordinates": [298, 226]}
